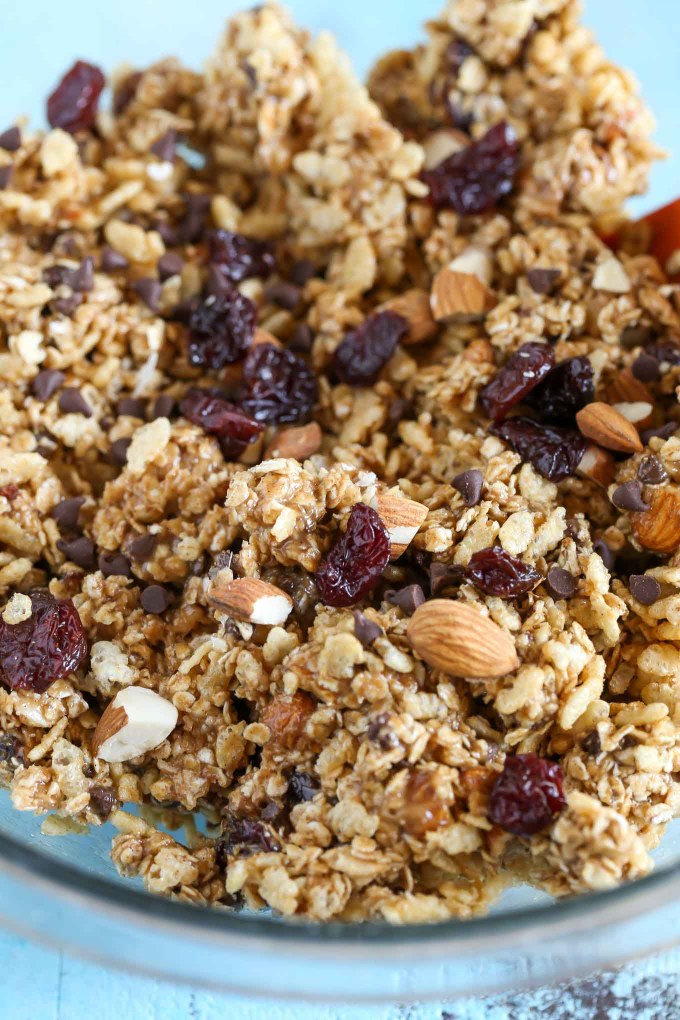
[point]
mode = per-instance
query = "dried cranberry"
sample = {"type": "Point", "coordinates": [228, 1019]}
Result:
{"type": "Point", "coordinates": [73, 104]}
{"type": "Point", "coordinates": [495, 572]}
{"type": "Point", "coordinates": [554, 452]}
{"type": "Point", "coordinates": [240, 257]}
{"type": "Point", "coordinates": [521, 373]}
{"type": "Point", "coordinates": [126, 92]}
{"type": "Point", "coordinates": [215, 415]}
{"type": "Point", "coordinates": [245, 836]}
{"type": "Point", "coordinates": [48, 645]}
{"type": "Point", "coordinates": [360, 357]}
{"type": "Point", "coordinates": [568, 388]}
{"type": "Point", "coordinates": [221, 329]}
{"type": "Point", "coordinates": [356, 562]}
{"type": "Point", "coordinates": [277, 385]}
{"type": "Point", "coordinates": [478, 177]}
{"type": "Point", "coordinates": [527, 795]}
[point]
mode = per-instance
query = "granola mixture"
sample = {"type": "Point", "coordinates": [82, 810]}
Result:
{"type": "Point", "coordinates": [339, 476]}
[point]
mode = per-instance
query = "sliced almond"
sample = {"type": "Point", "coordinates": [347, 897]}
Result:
{"type": "Point", "coordinates": [402, 517]}
{"type": "Point", "coordinates": [638, 412]}
{"type": "Point", "coordinates": [136, 721]}
{"type": "Point", "coordinates": [460, 640]}
{"type": "Point", "coordinates": [610, 276]}
{"type": "Point", "coordinates": [414, 306]}
{"type": "Point", "coordinates": [298, 443]}
{"type": "Point", "coordinates": [658, 528]}
{"type": "Point", "coordinates": [441, 144]}
{"type": "Point", "coordinates": [461, 290]}
{"type": "Point", "coordinates": [626, 388]}
{"type": "Point", "coordinates": [251, 600]}
{"type": "Point", "coordinates": [606, 426]}
{"type": "Point", "coordinates": [598, 465]}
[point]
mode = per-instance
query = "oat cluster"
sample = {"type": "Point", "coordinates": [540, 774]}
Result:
{"type": "Point", "coordinates": [339, 476]}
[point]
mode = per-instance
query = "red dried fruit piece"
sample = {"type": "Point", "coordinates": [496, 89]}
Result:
{"type": "Point", "coordinates": [277, 385]}
{"type": "Point", "coordinates": [478, 177]}
{"type": "Point", "coordinates": [245, 837]}
{"type": "Point", "coordinates": [211, 412]}
{"type": "Point", "coordinates": [221, 329]}
{"type": "Point", "coordinates": [73, 104]}
{"type": "Point", "coordinates": [527, 795]}
{"type": "Point", "coordinates": [521, 373]}
{"type": "Point", "coordinates": [356, 562]}
{"type": "Point", "coordinates": [554, 452]}
{"type": "Point", "coordinates": [564, 391]}
{"type": "Point", "coordinates": [48, 645]}
{"type": "Point", "coordinates": [240, 257]}
{"type": "Point", "coordinates": [495, 572]}
{"type": "Point", "coordinates": [360, 357]}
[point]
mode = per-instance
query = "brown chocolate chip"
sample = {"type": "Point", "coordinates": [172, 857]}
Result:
{"type": "Point", "coordinates": [112, 261]}
{"type": "Point", "coordinates": [399, 409]}
{"type": "Point", "coordinates": [71, 401]}
{"type": "Point", "coordinates": [646, 368]}
{"type": "Point", "coordinates": [156, 599]}
{"type": "Point", "coordinates": [629, 497]}
{"type": "Point", "coordinates": [149, 290]}
{"type": "Point", "coordinates": [80, 551]}
{"type": "Point", "coordinates": [378, 732]}
{"type": "Point", "coordinates": [407, 599]}
{"type": "Point", "coordinates": [469, 485]}
{"type": "Point", "coordinates": [168, 232]}
{"type": "Point", "coordinates": [560, 583]}
{"type": "Point", "coordinates": [302, 271]}
{"type": "Point", "coordinates": [664, 432]}
{"type": "Point", "coordinates": [118, 451]}
{"type": "Point", "coordinates": [114, 565]}
{"type": "Point", "coordinates": [217, 284]}
{"type": "Point", "coordinates": [592, 743]}
{"type": "Point", "coordinates": [443, 575]}
{"type": "Point", "coordinates": [543, 281]}
{"type": "Point", "coordinates": [82, 279]}
{"type": "Point", "coordinates": [192, 226]}
{"type": "Point", "coordinates": [102, 801]}
{"type": "Point", "coordinates": [301, 338]}
{"type": "Point", "coordinates": [365, 630]}
{"type": "Point", "coordinates": [285, 295]}
{"type": "Point", "coordinates": [131, 407]}
{"type": "Point", "coordinates": [67, 512]}
{"type": "Point", "coordinates": [651, 471]}
{"type": "Point", "coordinates": [165, 146]}
{"type": "Point", "coordinates": [5, 176]}
{"type": "Point", "coordinates": [142, 548]}
{"type": "Point", "coordinates": [66, 304]}
{"type": "Point", "coordinates": [606, 554]}
{"type": "Point", "coordinates": [58, 274]}
{"type": "Point", "coordinates": [164, 407]}
{"type": "Point", "coordinates": [46, 383]}
{"type": "Point", "coordinates": [170, 264]}
{"type": "Point", "coordinates": [644, 589]}
{"type": "Point", "coordinates": [10, 140]}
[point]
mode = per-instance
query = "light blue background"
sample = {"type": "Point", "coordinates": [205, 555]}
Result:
{"type": "Point", "coordinates": [38, 41]}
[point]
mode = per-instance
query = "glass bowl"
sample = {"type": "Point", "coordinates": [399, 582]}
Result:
{"type": "Point", "coordinates": [65, 890]}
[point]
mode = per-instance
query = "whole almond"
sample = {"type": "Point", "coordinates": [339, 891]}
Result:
{"type": "Point", "coordinates": [461, 641]}
{"type": "Point", "coordinates": [414, 306]}
{"type": "Point", "coordinates": [658, 529]}
{"type": "Point", "coordinates": [598, 465]}
{"type": "Point", "coordinates": [402, 517]}
{"type": "Point", "coordinates": [608, 427]}
{"type": "Point", "coordinates": [251, 600]}
{"type": "Point", "coordinates": [298, 443]}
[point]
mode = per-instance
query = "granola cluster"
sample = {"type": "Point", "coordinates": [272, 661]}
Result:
{"type": "Point", "coordinates": [339, 476]}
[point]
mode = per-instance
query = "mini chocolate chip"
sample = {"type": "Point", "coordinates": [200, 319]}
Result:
{"type": "Point", "coordinates": [192, 226]}
{"type": "Point", "coordinates": [302, 271]}
{"type": "Point", "coordinates": [644, 589]}
{"type": "Point", "coordinates": [399, 409]}
{"type": "Point", "coordinates": [543, 281]}
{"type": "Point", "coordinates": [102, 801]}
{"type": "Point", "coordinates": [67, 512]}
{"type": "Point", "coordinates": [118, 451]}
{"type": "Point", "coordinates": [114, 565]}
{"type": "Point", "coordinates": [169, 265]}
{"type": "Point", "coordinates": [664, 432]}
{"type": "Point", "coordinates": [378, 732]}
{"type": "Point", "coordinates": [443, 575]}
{"type": "Point", "coordinates": [592, 743]}
{"type": "Point", "coordinates": [142, 548]}
{"type": "Point", "coordinates": [132, 407]}
{"type": "Point", "coordinates": [165, 146]}
{"type": "Point", "coordinates": [111, 260]}
{"type": "Point", "coordinates": [71, 401]}
{"type": "Point", "coordinates": [10, 140]}
{"type": "Point", "coordinates": [46, 383]}
{"type": "Point", "coordinates": [164, 407]}
{"type": "Point", "coordinates": [646, 368]}
{"type": "Point", "coordinates": [149, 290]}
{"type": "Point", "coordinates": [55, 276]}
{"type": "Point", "coordinates": [5, 176]}
{"type": "Point", "coordinates": [168, 232]}
{"type": "Point", "coordinates": [301, 338]}
{"type": "Point", "coordinates": [560, 583]}
{"type": "Point", "coordinates": [606, 553]}
{"type": "Point", "coordinates": [66, 305]}
{"type": "Point", "coordinates": [156, 599]}
{"type": "Point", "coordinates": [407, 599]}
{"type": "Point", "coordinates": [651, 471]}
{"type": "Point", "coordinates": [365, 630]}
{"type": "Point", "coordinates": [469, 485]}
{"type": "Point", "coordinates": [80, 551]}
{"type": "Point", "coordinates": [629, 497]}
{"type": "Point", "coordinates": [82, 279]}
{"type": "Point", "coordinates": [285, 295]}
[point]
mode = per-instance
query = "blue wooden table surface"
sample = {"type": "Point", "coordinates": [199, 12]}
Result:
{"type": "Point", "coordinates": [42, 984]}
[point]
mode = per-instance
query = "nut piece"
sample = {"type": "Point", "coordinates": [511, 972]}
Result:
{"type": "Point", "coordinates": [414, 306]}
{"type": "Point", "coordinates": [251, 600]}
{"type": "Point", "coordinates": [461, 289]}
{"type": "Point", "coordinates": [598, 465]}
{"type": "Point", "coordinates": [611, 276]}
{"type": "Point", "coordinates": [658, 528]}
{"type": "Point", "coordinates": [637, 412]}
{"type": "Point", "coordinates": [608, 427]}
{"type": "Point", "coordinates": [626, 387]}
{"type": "Point", "coordinates": [402, 517]}
{"type": "Point", "coordinates": [136, 721]}
{"type": "Point", "coordinates": [298, 443]}
{"type": "Point", "coordinates": [461, 641]}
{"type": "Point", "coordinates": [441, 144]}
